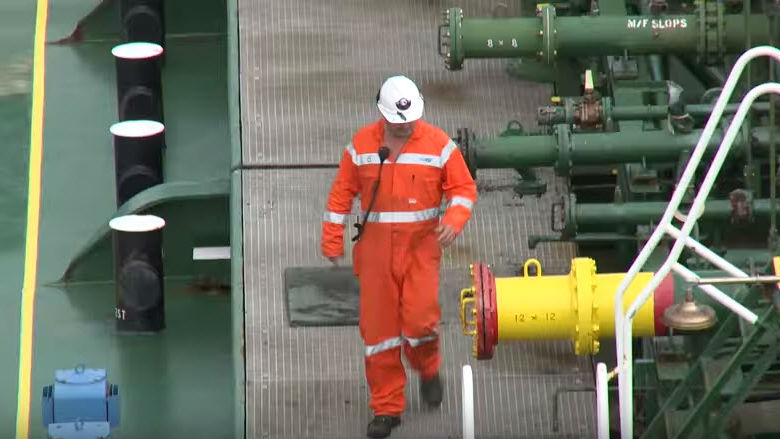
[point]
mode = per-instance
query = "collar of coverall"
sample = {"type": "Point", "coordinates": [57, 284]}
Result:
{"type": "Point", "coordinates": [380, 132]}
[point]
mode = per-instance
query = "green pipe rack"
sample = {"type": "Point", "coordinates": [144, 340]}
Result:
{"type": "Point", "coordinates": [547, 36]}
{"type": "Point", "coordinates": [565, 149]}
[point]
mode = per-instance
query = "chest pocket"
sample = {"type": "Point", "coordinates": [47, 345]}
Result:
{"type": "Point", "coordinates": [368, 176]}
{"type": "Point", "coordinates": [420, 185]}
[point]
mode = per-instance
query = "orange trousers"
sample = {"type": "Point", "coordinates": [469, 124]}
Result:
{"type": "Point", "coordinates": [398, 271]}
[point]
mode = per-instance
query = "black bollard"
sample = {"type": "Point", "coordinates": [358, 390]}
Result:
{"type": "Point", "coordinates": [137, 156]}
{"type": "Point", "coordinates": [143, 20]}
{"type": "Point", "coordinates": [138, 273]}
{"type": "Point", "coordinates": [138, 81]}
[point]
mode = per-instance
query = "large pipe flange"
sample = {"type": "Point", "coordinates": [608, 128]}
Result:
{"type": "Point", "coordinates": [478, 311]}
{"type": "Point", "coordinates": [464, 139]}
{"type": "Point", "coordinates": [450, 39]}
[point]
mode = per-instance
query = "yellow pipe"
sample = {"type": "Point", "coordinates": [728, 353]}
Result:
{"type": "Point", "coordinates": [578, 306]}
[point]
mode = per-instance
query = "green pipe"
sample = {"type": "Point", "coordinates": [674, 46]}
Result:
{"type": "Point", "coordinates": [640, 112]}
{"type": "Point", "coordinates": [750, 173]}
{"type": "Point", "coordinates": [553, 115]}
{"type": "Point", "coordinates": [775, 26]}
{"type": "Point", "coordinates": [513, 152]}
{"type": "Point", "coordinates": [564, 149]}
{"type": "Point", "coordinates": [599, 214]}
{"type": "Point", "coordinates": [657, 67]}
{"type": "Point", "coordinates": [709, 76]}
{"type": "Point", "coordinates": [548, 36]}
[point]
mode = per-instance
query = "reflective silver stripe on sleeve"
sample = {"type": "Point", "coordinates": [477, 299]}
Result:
{"type": "Point", "coordinates": [386, 345]}
{"type": "Point", "coordinates": [409, 158]}
{"type": "Point", "coordinates": [353, 153]}
{"type": "Point", "coordinates": [402, 217]}
{"type": "Point", "coordinates": [461, 201]}
{"type": "Point", "coordinates": [333, 217]}
{"type": "Point", "coordinates": [414, 342]}
{"type": "Point", "coordinates": [447, 151]}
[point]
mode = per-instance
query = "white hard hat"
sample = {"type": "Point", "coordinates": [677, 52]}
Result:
{"type": "Point", "coordinates": [399, 100]}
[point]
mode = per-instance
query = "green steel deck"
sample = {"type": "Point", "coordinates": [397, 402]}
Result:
{"type": "Point", "coordinates": [180, 383]}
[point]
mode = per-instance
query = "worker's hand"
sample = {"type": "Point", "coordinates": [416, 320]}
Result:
{"type": "Point", "coordinates": [445, 234]}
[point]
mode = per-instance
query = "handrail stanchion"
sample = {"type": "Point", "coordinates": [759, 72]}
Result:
{"type": "Point", "coordinates": [623, 321]}
{"type": "Point", "coordinates": [468, 403]}
{"type": "Point", "coordinates": [602, 402]}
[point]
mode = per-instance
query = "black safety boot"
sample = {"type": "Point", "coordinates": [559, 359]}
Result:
{"type": "Point", "coordinates": [381, 425]}
{"type": "Point", "coordinates": [431, 391]}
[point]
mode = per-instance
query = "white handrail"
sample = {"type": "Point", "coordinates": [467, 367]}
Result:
{"type": "Point", "coordinates": [467, 397]}
{"type": "Point", "coordinates": [717, 294]}
{"type": "Point", "coordinates": [706, 253]}
{"type": "Point", "coordinates": [623, 322]}
{"type": "Point", "coordinates": [626, 404]}
{"type": "Point", "coordinates": [602, 402]}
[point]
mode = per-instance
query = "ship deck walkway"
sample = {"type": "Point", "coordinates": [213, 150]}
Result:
{"type": "Point", "coordinates": [309, 72]}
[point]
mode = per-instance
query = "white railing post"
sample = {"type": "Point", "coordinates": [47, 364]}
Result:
{"type": "Point", "coordinates": [602, 402]}
{"type": "Point", "coordinates": [623, 321]}
{"type": "Point", "coordinates": [467, 397]}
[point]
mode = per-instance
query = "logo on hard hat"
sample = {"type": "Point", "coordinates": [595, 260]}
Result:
{"type": "Point", "coordinates": [403, 104]}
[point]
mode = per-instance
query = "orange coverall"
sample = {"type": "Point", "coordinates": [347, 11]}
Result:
{"type": "Point", "coordinates": [397, 257]}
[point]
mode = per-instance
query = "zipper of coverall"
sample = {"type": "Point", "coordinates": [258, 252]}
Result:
{"type": "Point", "coordinates": [397, 265]}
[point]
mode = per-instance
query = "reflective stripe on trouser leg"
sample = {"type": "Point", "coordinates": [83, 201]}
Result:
{"type": "Point", "coordinates": [384, 345]}
{"type": "Point", "coordinates": [414, 342]}
{"type": "Point", "coordinates": [423, 355]}
{"type": "Point", "coordinates": [420, 312]}
{"type": "Point", "coordinates": [386, 381]}
{"type": "Point", "coordinates": [380, 325]}
{"type": "Point", "coordinates": [424, 358]}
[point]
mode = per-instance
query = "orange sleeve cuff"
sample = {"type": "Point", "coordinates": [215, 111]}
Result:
{"type": "Point", "coordinates": [456, 217]}
{"type": "Point", "coordinates": [332, 239]}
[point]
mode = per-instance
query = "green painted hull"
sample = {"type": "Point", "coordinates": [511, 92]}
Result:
{"type": "Point", "coordinates": [184, 381]}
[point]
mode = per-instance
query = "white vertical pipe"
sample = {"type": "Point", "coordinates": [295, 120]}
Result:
{"type": "Point", "coordinates": [468, 403]}
{"type": "Point", "coordinates": [602, 402]}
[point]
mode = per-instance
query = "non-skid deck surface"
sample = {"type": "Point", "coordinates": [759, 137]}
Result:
{"type": "Point", "coordinates": [309, 75]}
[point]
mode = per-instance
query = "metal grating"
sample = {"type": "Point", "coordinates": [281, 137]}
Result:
{"type": "Point", "coordinates": [309, 74]}
{"type": "Point", "coordinates": [308, 382]}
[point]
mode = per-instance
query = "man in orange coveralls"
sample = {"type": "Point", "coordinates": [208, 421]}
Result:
{"type": "Point", "coordinates": [400, 166]}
